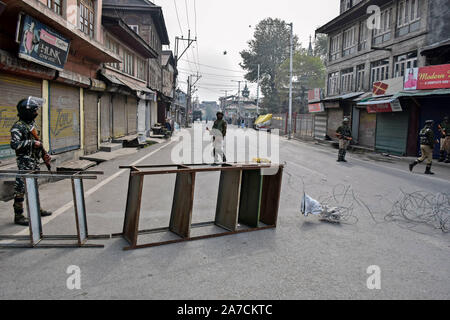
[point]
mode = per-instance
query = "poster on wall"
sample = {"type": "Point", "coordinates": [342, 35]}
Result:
{"type": "Point", "coordinates": [426, 78]}
{"type": "Point", "coordinates": [411, 79]}
{"type": "Point", "coordinates": [40, 44]}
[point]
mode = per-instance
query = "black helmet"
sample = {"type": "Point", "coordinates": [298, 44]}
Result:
{"type": "Point", "coordinates": [27, 108]}
{"type": "Point", "coordinates": [219, 112]}
{"type": "Point", "coordinates": [429, 122]}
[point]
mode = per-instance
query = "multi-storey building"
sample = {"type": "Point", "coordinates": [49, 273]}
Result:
{"type": "Point", "coordinates": [379, 42]}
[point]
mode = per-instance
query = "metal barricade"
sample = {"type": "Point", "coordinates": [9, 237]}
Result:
{"type": "Point", "coordinates": [36, 235]}
{"type": "Point", "coordinates": [247, 201]}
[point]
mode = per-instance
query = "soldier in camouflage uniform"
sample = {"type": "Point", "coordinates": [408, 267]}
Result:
{"type": "Point", "coordinates": [345, 136]}
{"type": "Point", "coordinates": [28, 152]}
{"type": "Point", "coordinates": [426, 147]}
{"type": "Point", "coordinates": [444, 129]}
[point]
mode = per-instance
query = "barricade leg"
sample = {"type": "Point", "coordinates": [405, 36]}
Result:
{"type": "Point", "coordinates": [183, 202]}
{"type": "Point", "coordinates": [249, 207]}
{"type": "Point", "coordinates": [133, 209]}
{"type": "Point", "coordinates": [228, 200]}
{"type": "Point", "coordinates": [270, 199]}
{"type": "Point", "coordinates": [80, 211]}
{"type": "Point", "coordinates": [33, 209]}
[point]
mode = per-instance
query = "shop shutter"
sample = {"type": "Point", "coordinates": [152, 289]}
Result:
{"type": "Point", "coordinates": [320, 125]}
{"type": "Point", "coordinates": [105, 117]}
{"type": "Point", "coordinates": [119, 116]}
{"type": "Point", "coordinates": [392, 132]}
{"type": "Point", "coordinates": [64, 118]}
{"type": "Point", "coordinates": [13, 89]}
{"type": "Point", "coordinates": [334, 121]}
{"type": "Point", "coordinates": [131, 115]}
{"type": "Point", "coordinates": [90, 121]}
{"type": "Point", "coordinates": [367, 128]}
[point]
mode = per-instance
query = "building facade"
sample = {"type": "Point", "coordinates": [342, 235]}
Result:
{"type": "Point", "coordinates": [372, 46]}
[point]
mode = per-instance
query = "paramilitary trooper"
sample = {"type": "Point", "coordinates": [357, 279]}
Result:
{"type": "Point", "coordinates": [427, 142]}
{"type": "Point", "coordinates": [219, 131]}
{"type": "Point", "coordinates": [444, 129]}
{"type": "Point", "coordinates": [345, 136]}
{"type": "Point", "coordinates": [29, 151]}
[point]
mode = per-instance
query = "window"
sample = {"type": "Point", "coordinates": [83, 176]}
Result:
{"type": "Point", "coordinates": [128, 63]}
{"type": "Point", "coordinates": [141, 69]}
{"type": "Point", "coordinates": [360, 73]}
{"type": "Point", "coordinates": [55, 5]}
{"type": "Point", "coordinates": [379, 71]}
{"type": "Point", "coordinates": [87, 17]}
{"type": "Point", "coordinates": [335, 47]}
{"type": "Point", "coordinates": [384, 32]}
{"type": "Point", "coordinates": [347, 80]}
{"type": "Point", "coordinates": [135, 28]}
{"type": "Point", "coordinates": [404, 62]}
{"type": "Point", "coordinates": [114, 47]}
{"type": "Point", "coordinates": [408, 16]}
{"type": "Point", "coordinates": [333, 80]}
{"type": "Point", "coordinates": [363, 32]}
{"type": "Point", "coordinates": [349, 41]}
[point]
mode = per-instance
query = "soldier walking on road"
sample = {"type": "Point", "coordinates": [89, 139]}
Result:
{"type": "Point", "coordinates": [427, 142]}
{"type": "Point", "coordinates": [345, 136]}
{"type": "Point", "coordinates": [219, 131]}
{"type": "Point", "coordinates": [444, 129]}
{"type": "Point", "coordinates": [29, 151]}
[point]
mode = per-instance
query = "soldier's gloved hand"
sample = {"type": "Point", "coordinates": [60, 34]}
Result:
{"type": "Point", "coordinates": [37, 145]}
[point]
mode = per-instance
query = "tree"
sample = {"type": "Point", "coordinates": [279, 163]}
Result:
{"type": "Point", "coordinates": [308, 73]}
{"type": "Point", "coordinates": [321, 46]}
{"type": "Point", "coordinates": [269, 48]}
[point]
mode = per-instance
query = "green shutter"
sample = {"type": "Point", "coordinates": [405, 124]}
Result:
{"type": "Point", "coordinates": [392, 132]}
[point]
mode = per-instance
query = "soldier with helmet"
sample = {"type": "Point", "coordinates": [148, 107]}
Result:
{"type": "Point", "coordinates": [444, 129]}
{"type": "Point", "coordinates": [427, 142]}
{"type": "Point", "coordinates": [219, 131]}
{"type": "Point", "coordinates": [29, 150]}
{"type": "Point", "coordinates": [344, 135]}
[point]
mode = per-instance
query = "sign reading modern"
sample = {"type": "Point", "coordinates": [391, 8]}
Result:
{"type": "Point", "coordinates": [431, 77]}
{"type": "Point", "coordinates": [42, 45]}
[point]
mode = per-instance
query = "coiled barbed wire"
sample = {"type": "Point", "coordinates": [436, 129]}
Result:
{"type": "Point", "coordinates": [421, 207]}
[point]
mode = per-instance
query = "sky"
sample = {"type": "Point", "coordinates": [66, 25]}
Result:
{"type": "Point", "coordinates": [227, 25]}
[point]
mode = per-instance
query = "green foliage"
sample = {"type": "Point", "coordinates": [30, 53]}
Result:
{"type": "Point", "coordinates": [321, 46]}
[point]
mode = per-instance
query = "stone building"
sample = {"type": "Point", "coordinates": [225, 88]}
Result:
{"type": "Point", "coordinates": [373, 45]}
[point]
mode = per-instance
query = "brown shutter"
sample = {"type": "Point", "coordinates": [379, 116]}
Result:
{"type": "Point", "coordinates": [64, 118]}
{"type": "Point", "coordinates": [335, 117]}
{"type": "Point", "coordinates": [90, 121]}
{"type": "Point", "coordinates": [119, 116]}
{"type": "Point", "coordinates": [132, 115]}
{"type": "Point", "coordinates": [105, 118]}
{"type": "Point", "coordinates": [12, 90]}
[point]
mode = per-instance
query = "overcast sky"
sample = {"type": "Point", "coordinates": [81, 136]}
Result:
{"type": "Point", "coordinates": [224, 25]}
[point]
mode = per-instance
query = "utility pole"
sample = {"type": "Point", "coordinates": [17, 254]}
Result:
{"type": "Point", "coordinates": [177, 45]}
{"type": "Point", "coordinates": [189, 95]}
{"type": "Point", "coordinates": [257, 92]}
{"type": "Point", "coordinates": [290, 81]}
{"type": "Point", "coordinates": [239, 92]}
{"type": "Point", "coordinates": [224, 100]}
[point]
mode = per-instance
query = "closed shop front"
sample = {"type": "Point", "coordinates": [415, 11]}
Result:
{"type": "Point", "coordinates": [320, 125]}
{"type": "Point", "coordinates": [106, 118]}
{"type": "Point", "coordinates": [132, 115]}
{"type": "Point", "coordinates": [13, 89]}
{"type": "Point", "coordinates": [153, 113]}
{"type": "Point", "coordinates": [334, 121]}
{"type": "Point", "coordinates": [90, 121]}
{"type": "Point", "coordinates": [119, 116]}
{"type": "Point", "coordinates": [367, 128]}
{"type": "Point", "coordinates": [64, 118]}
{"type": "Point", "coordinates": [392, 132]}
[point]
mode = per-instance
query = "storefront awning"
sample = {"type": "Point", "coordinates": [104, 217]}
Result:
{"type": "Point", "coordinates": [346, 96]}
{"type": "Point", "coordinates": [382, 104]}
{"type": "Point", "coordinates": [422, 93]}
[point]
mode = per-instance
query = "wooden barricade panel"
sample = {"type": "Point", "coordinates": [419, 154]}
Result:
{"type": "Point", "coordinates": [133, 208]}
{"type": "Point", "coordinates": [183, 202]}
{"type": "Point", "coordinates": [270, 199]}
{"type": "Point", "coordinates": [228, 199]}
{"type": "Point", "coordinates": [249, 207]}
{"type": "Point", "coordinates": [33, 207]}
{"type": "Point", "coordinates": [80, 210]}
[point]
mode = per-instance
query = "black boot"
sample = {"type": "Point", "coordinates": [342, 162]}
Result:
{"type": "Point", "coordinates": [339, 155]}
{"type": "Point", "coordinates": [344, 153]}
{"type": "Point", "coordinates": [448, 158]}
{"type": "Point", "coordinates": [412, 165]}
{"type": "Point", "coordinates": [45, 213]}
{"type": "Point", "coordinates": [428, 169]}
{"type": "Point", "coordinates": [442, 156]}
{"type": "Point", "coordinates": [21, 220]}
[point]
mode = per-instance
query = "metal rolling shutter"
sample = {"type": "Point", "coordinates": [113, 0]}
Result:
{"type": "Point", "coordinates": [13, 89]}
{"type": "Point", "coordinates": [90, 121]}
{"type": "Point", "coordinates": [335, 117]}
{"type": "Point", "coordinates": [131, 115]}
{"type": "Point", "coordinates": [105, 118]}
{"type": "Point", "coordinates": [320, 125]}
{"type": "Point", "coordinates": [64, 118]}
{"type": "Point", "coordinates": [392, 132]}
{"type": "Point", "coordinates": [367, 128]}
{"type": "Point", "coordinates": [119, 116]}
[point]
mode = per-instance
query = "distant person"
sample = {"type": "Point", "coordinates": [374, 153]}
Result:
{"type": "Point", "coordinates": [219, 131]}
{"type": "Point", "coordinates": [344, 135]}
{"type": "Point", "coordinates": [444, 129]}
{"type": "Point", "coordinates": [426, 147]}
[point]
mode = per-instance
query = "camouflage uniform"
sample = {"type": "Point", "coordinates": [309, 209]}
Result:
{"type": "Point", "coordinates": [344, 132]}
{"type": "Point", "coordinates": [427, 141]}
{"type": "Point", "coordinates": [444, 128]}
{"type": "Point", "coordinates": [219, 130]}
{"type": "Point", "coordinates": [27, 158]}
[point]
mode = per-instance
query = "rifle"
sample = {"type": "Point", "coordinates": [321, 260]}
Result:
{"type": "Point", "coordinates": [45, 156]}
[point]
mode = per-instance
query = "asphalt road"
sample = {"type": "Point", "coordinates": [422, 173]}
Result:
{"type": "Point", "coordinates": [303, 258]}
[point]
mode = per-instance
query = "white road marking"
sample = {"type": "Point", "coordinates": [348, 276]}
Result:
{"type": "Point", "coordinates": [69, 205]}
